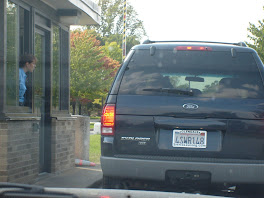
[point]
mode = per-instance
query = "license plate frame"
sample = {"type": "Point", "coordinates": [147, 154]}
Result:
{"type": "Point", "coordinates": [196, 139]}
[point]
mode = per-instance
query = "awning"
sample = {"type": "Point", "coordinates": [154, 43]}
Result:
{"type": "Point", "coordinates": [76, 12]}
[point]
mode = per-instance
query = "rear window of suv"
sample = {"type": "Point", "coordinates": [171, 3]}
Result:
{"type": "Point", "coordinates": [192, 73]}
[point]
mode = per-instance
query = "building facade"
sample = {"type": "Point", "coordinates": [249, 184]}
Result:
{"type": "Point", "coordinates": [38, 137]}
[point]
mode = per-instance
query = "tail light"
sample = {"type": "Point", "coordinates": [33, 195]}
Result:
{"type": "Point", "coordinates": [108, 120]}
{"type": "Point", "coordinates": [193, 48]}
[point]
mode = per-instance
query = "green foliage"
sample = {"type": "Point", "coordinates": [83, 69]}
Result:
{"type": "Point", "coordinates": [95, 117]}
{"type": "Point", "coordinates": [86, 76]}
{"type": "Point", "coordinates": [92, 72]}
{"type": "Point", "coordinates": [257, 36]}
{"type": "Point", "coordinates": [113, 51]}
{"type": "Point", "coordinates": [130, 41]}
{"type": "Point", "coordinates": [111, 28]}
{"type": "Point", "coordinates": [12, 55]}
{"type": "Point", "coordinates": [112, 19]}
{"type": "Point", "coordinates": [96, 52]}
{"type": "Point", "coordinates": [38, 74]}
{"type": "Point", "coordinates": [91, 126]}
{"type": "Point", "coordinates": [56, 69]}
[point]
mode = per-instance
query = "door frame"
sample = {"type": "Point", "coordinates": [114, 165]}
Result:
{"type": "Point", "coordinates": [41, 26]}
{"type": "Point", "coordinates": [40, 110]}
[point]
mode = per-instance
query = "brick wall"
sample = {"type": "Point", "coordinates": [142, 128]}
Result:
{"type": "Point", "coordinates": [3, 152]}
{"type": "Point", "coordinates": [19, 151]}
{"type": "Point", "coordinates": [63, 144]}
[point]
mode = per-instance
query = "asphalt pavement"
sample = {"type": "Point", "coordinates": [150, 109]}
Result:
{"type": "Point", "coordinates": [77, 177]}
{"type": "Point", "coordinates": [91, 177]}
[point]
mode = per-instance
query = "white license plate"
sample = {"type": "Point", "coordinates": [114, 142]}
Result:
{"type": "Point", "coordinates": [189, 138]}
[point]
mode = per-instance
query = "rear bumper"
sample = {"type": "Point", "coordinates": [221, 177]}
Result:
{"type": "Point", "coordinates": [156, 169]}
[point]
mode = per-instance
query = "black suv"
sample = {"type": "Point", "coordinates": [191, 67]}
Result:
{"type": "Point", "coordinates": [185, 111]}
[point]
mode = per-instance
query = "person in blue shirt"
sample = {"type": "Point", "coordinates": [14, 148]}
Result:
{"type": "Point", "coordinates": [27, 63]}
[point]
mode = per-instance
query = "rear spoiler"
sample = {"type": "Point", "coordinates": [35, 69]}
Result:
{"type": "Point", "coordinates": [242, 44]}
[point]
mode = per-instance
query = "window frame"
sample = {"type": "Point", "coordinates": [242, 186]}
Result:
{"type": "Point", "coordinates": [65, 73]}
{"type": "Point", "coordinates": [10, 109]}
{"type": "Point", "coordinates": [33, 22]}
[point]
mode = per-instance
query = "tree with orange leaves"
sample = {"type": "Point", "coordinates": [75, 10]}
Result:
{"type": "Point", "coordinates": [92, 72]}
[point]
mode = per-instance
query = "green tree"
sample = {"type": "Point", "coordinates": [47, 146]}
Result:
{"type": "Point", "coordinates": [92, 72]}
{"type": "Point", "coordinates": [118, 38]}
{"type": "Point", "coordinates": [111, 28]}
{"type": "Point", "coordinates": [256, 35]}
{"type": "Point", "coordinates": [112, 19]}
{"type": "Point", "coordinates": [113, 51]}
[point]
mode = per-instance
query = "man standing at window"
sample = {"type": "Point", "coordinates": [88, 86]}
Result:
{"type": "Point", "coordinates": [27, 63]}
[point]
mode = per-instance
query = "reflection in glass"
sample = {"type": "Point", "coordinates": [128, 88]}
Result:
{"type": "Point", "coordinates": [38, 74]}
{"type": "Point", "coordinates": [56, 69]}
{"type": "Point", "coordinates": [214, 74]}
{"type": "Point", "coordinates": [12, 55]}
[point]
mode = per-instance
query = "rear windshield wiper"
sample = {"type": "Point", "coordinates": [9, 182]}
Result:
{"type": "Point", "coordinates": [172, 90]}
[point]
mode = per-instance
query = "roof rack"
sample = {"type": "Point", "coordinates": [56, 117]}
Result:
{"type": "Point", "coordinates": [243, 44]}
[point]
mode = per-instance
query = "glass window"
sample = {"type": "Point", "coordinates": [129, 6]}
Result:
{"type": "Point", "coordinates": [56, 69]}
{"type": "Point", "coordinates": [24, 31]}
{"type": "Point", "coordinates": [12, 55]}
{"type": "Point", "coordinates": [193, 73]}
{"type": "Point", "coordinates": [64, 82]}
{"type": "Point", "coordinates": [17, 45]}
{"type": "Point", "coordinates": [39, 80]}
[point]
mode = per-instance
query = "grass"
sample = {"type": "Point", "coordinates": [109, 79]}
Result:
{"type": "Point", "coordinates": [95, 117]}
{"type": "Point", "coordinates": [91, 125]}
{"type": "Point", "coordinates": [95, 148]}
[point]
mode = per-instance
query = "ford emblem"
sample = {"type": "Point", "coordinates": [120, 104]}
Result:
{"type": "Point", "coordinates": [190, 106]}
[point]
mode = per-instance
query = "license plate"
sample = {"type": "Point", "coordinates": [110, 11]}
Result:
{"type": "Point", "coordinates": [189, 138]}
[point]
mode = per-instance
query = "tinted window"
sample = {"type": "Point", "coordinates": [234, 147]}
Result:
{"type": "Point", "coordinates": [204, 74]}
{"type": "Point", "coordinates": [56, 68]}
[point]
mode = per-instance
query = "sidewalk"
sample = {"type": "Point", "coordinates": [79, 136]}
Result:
{"type": "Point", "coordinates": [78, 177]}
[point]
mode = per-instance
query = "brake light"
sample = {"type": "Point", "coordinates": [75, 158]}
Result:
{"type": "Point", "coordinates": [193, 48]}
{"type": "Point", "coordinates": [108, 120]}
